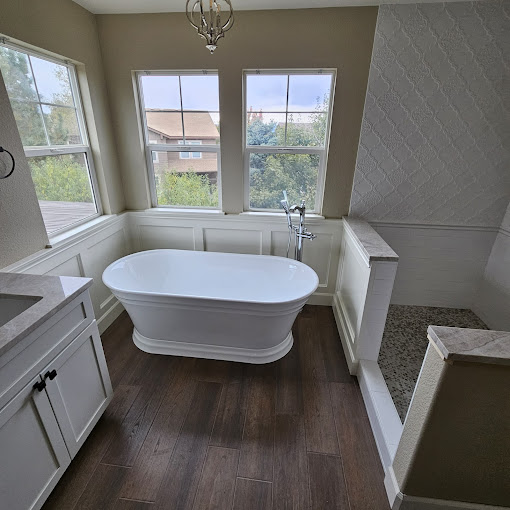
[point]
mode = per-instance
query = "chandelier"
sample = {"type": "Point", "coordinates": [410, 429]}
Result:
{"type": "Point", "coordinates": [209, 24]}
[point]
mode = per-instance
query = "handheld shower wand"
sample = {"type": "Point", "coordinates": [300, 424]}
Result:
{"type": "Point", "coordinates": [285, 205]}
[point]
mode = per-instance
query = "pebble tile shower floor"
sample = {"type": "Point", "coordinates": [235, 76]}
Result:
{"type": "Point", "coordinates": [405, 342]}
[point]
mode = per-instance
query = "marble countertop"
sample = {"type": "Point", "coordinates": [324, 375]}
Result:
{"type": "Point", "coordinates": [372, 244]}
{"type": "Point", "coordinates": [54, 293]}
{"type": "Point", "coordinates": [474, 345]}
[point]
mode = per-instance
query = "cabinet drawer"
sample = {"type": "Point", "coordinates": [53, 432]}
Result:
{"type": "Point", "coordinates": [32, 354]}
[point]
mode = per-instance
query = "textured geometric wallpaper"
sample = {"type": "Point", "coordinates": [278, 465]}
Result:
{"type": "Point", "coordinates": [435, 140]}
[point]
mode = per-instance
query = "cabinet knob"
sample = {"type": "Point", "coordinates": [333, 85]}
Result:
{"type": "Point", "coordinates": [40, 385]}
{"type": "Point", "coordinates": [50, 375]}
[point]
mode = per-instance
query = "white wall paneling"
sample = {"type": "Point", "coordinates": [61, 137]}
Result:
{"type": "Point", "coordinates": [159, 236]}
{"type": "Point", "coordinates": [492, 303]}
{"type": "Point", "coordinates": [360, 306]}
{"type": "Point", "coordinates": [362, 297]}
{"type": "Point", "coordinates": [438, 265]}
{"type": "Point", "coordinates": [86, 253]}
{"type": "Point", "coordinates": [245, 233]}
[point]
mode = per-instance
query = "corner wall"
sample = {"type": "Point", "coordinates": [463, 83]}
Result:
{"type": "Point", "coordinates": [434, 149]}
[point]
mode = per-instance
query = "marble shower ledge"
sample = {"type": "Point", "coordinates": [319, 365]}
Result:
{"type": "Point", "coordinates": [54, 293]}
{"type": "Point", "coordinates": [472, 345]}
{"type": "Point", "coordinates": [371, 243]}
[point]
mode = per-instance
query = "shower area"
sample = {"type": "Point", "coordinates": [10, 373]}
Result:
{"type": "Point", "coordinates": [394, 281]}
{"type": "Point", "coordinates": [405, 343]}
{"type": "Point", "coordinates": [431, 184]}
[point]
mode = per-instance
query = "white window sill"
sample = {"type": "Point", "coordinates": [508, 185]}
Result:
{"type": "Point", "coordinates": [183, 210]}
{"type": "Point", "coordinates": [81, 230]}
{"type": "Point", "coordinates": [214, 214]}
{"type": "Point", "coordinates": [275, 214]}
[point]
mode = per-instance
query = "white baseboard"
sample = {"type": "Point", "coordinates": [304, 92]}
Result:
{"type": "Point", "coordinates": [391, 485]}
{"type": "Point", "coordinates": [320, 299]}
{"type": "Point", "coordinates": [345, 335]}
{"type": "Point", "coordinates": [405, 502]}
{"type": "Point", "coordinates": [106, 320]}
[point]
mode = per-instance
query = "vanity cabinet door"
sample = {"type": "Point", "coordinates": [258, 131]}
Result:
{"type": "Point", "coordinates": [78, 386]}
{"type": "Point", "coordinates": [32, 450]}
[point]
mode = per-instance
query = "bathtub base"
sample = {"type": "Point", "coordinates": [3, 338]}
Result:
{"type": "Point", "coordinates": [194, 350]}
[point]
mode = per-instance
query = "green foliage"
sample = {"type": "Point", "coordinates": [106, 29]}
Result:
{"type": "Point", "coordinates": [296, 173]}
{"type": "Point", "coordinates": [270, 174]}
{"type": "Point", "coordinates": [60, 178]}
{"type": "Point", "coordinates": [20, 87]}
{"type": "Point", "coordinates": [186, 189]}
{"type": "Point", "coordinates": [61, 123]}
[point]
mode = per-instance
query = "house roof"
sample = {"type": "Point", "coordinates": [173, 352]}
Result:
{"type": "Point", "coordinates": [169, 123]}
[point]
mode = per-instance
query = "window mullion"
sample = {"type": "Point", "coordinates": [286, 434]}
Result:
{"type": "Point", "coordinates": [182, 112]}
{"type": "Point", "coordinates": [287, 109]}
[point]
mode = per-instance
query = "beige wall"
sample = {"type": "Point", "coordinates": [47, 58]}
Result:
{"type": "Point", "coordinates": [22, 229]}
{"type": "Point", "coordinates": [340, 38]}
{"type": "Point", "coordinates": [66, 29]}
{"type": "Point", "coordinates": [456, 442]}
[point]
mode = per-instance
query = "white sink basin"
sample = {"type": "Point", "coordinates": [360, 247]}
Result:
{"type": "Point", "coordinates": [12, 305]}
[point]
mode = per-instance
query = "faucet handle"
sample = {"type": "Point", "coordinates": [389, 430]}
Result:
{"type": "Point", "coordinates": [307, 235]}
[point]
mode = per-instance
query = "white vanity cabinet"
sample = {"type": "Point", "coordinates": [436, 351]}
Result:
{"type": "Point", "coordinates": [32, 450]}
{"type": "Point", "coordinates": [54, 386]}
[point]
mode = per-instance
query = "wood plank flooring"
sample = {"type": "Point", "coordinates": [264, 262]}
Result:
{"type": "Point", "coordinates": [184, 433]}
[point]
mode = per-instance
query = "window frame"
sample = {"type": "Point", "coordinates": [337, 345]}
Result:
{"type": "Point", "coordinates": [150, 147]}
{"type": "Point", "coordinates": [322, 152]}
{"type": "Point", "coordinates": [197, 142]}
{"type": "Point", "coordinates": [58, 150]}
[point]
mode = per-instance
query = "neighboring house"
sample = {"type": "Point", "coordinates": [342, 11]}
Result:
{"type": "Point", "coordinates": [165, 127]}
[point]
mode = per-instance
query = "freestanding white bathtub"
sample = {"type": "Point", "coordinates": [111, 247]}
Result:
{"type": "Point", "coordinates": [212, 305]}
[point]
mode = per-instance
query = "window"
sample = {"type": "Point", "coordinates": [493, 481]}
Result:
{"type": "Point", "coordinates": [181, 111]}
{"type": "Point", "coordinates": [192, 155]}
{"type": "Point", "coordinates": [44, 96]}
{"type": "Point", "coordinates": [287, 121]}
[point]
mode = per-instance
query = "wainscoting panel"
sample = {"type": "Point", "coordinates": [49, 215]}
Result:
{"type": "Point", "coordinates": [71, 267]}
{"type": "Point", "coordinates": [245, 233]}
{"type": "Point", "coordinates": [87, 254]}
{"type": "Point", "coordinates": [492, 303]}
{"type": "Point", "coordinates": [233, 241]}
{"type": "Point", "coordinates": [317, 254]}
{"type": "Point", "coordinates": [177, 238]}
{"type": "Point", "coordinates": [362, 297]}
{"type": "Point", "coordinates": [438, 265]}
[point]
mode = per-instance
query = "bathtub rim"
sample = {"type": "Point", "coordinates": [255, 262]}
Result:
{"type": "Point", "coordinates": [151, 295]}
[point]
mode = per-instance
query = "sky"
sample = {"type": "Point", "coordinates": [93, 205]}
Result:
{"type": "Point", "coordinates": [45, 73]}
{"type": "Point", "coordinates": [264, 92]}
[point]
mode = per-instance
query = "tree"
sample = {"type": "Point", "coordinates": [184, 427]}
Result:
{"type": "Point", "coordinates": [20, 86]}
{"type": "Point", "coordinates": [61, 178]}
{"type": "Point", "coordinates": [270, 174]}
{"type": "Point", "coordinates": [186, 188]}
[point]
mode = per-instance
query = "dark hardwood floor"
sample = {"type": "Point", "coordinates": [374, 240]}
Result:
{"type": "Point", "coordinates": [184, 433]}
